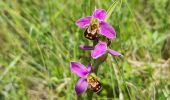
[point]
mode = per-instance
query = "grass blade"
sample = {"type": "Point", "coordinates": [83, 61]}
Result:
{"type": "Point", "coordinates": [111, 8]}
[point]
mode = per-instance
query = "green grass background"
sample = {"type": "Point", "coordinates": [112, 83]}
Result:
{"type": "Point", "coordinates": [38, 39]}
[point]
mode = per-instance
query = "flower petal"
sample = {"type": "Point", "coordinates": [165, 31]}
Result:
{"type": "Point", "coordinates": [99, 50]}
{"type": "Point", "coordinates": [85, 47]}
{"type": "Point", "coordinates": [99, 14]}
{"type": "Point", "coordinates": [114, 53]}
{"type": "Point", "coordinates": [83, 22]}
{"type": "Point", "coordinates": [107, 30]}
{"type": "Point", "coordinates": [81, 86]}
{"type": "Point", "coordinates": [89, 68]}
{"type": "Point", "coordinates": [78, 69]}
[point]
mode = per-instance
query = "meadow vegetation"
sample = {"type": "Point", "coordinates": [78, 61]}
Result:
{"type": "Point", "coordinates": [39, 38]}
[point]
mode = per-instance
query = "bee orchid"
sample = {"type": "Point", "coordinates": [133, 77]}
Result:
{"type": "Point", "coordinates": [97, 19]}
{"type": "Point", "coordinates": [81, 71]}
{"type": "Point", "coordinates": [99, 50]}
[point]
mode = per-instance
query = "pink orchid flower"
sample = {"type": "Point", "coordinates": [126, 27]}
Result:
{"type": "Point", "coordinates": [99, 50]}
{"type": "Point", "coordinates": [81, 71]}
{"type": "Point", "coordinates": [104, 28]}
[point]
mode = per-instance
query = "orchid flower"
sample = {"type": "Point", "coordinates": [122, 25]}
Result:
{"type": "Point", "coordinates": [82, 72]}
{"type": "Point", "coordinates": [99, 50]}
{"type": "Point", "coordinates": [98, 18]}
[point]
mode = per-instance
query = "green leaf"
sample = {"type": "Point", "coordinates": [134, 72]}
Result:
{"type": "Point", "coordinates": [111, 8]}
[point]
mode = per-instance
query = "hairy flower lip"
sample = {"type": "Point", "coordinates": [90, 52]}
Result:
{"type": "Point", "coordinates": [105, 29]}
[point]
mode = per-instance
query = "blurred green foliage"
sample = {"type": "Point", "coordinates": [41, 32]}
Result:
{"type": "Point", "coordinates": [39, 38]}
